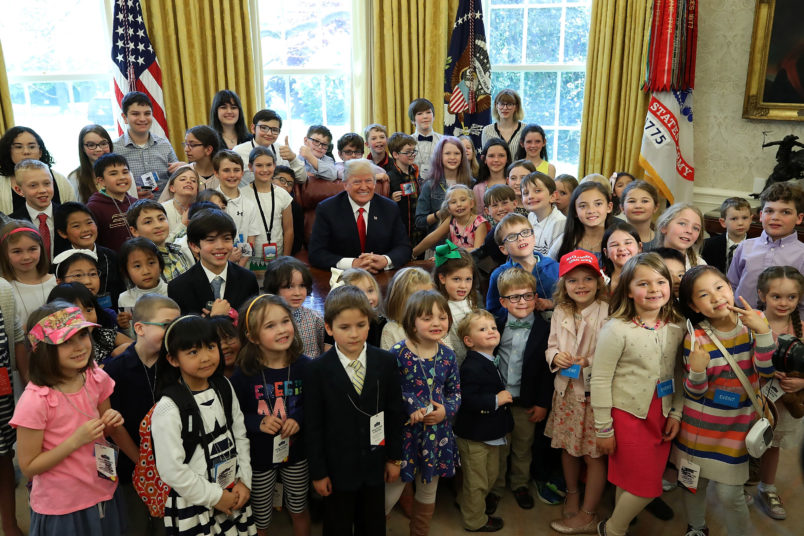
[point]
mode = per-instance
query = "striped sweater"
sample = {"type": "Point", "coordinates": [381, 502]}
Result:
{"type": "Point", "coordinates": [712, 433]}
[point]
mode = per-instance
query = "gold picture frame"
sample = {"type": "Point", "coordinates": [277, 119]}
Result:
{"type": "Point", "coordinates": [776, 38]}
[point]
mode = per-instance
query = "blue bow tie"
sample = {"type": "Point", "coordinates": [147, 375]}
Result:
{"type": "Point", "coordinates": [519, 324]}
{"type": "Point", "coordinates": [425, 138]}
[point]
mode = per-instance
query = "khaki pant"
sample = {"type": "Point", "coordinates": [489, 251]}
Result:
{"type": "Point", "coordinates": [519, 442]}
{"type": "Point", "coordinates": [480, 464]}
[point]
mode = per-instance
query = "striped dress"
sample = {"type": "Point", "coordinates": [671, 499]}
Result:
{"type": "Point", "coordinates": [7, 434]}
{"type": "Point", "coordinates": [713, 434]}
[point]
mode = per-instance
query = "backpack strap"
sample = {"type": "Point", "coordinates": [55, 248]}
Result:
{"type": "Point", "coordinates": [192, 428]}
{"type": "Point", "coordinates": [224, 389]}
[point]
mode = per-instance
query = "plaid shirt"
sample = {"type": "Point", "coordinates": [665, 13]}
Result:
{"type": "Point", "coordinates": [311, 330]}
{"type": "Point", "coordinates": [155, 156]}
{"type": "Point", "coordinates": [176, 262]}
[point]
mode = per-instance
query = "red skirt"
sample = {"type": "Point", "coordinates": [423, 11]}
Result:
{"type": "Point", "coordinates": [640, 456]}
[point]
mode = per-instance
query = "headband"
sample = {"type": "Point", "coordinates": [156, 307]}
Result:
{"type": "Point", "coordinates": [58, 327]}
{"type": "Point", "coordinates": [248, 309]}
{"type": "Point", "coordinates": [19, 230]}
{"type": "Point", "coordinates": [64, 255]}
{"type": "Point", "coordinates": [445, 252]}
{"type": "Point", "coordinates": [170, 328]}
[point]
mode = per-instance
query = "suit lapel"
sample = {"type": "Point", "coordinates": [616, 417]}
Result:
{"type": "Point", "coordinates": [199, 286]}
{"type": "Point", "coordinates": [354, 237]}
{"type": "Point", "coordinates": [368, 397]}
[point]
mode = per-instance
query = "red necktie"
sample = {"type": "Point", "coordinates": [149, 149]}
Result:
{"type": "Point", "coordinates": [361, 229]}
{"type": "Point", "coordinates": [45, 233]}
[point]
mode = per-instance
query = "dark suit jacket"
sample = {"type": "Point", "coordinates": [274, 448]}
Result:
{"type": "Point", "coordinates": [335, 235]}
{"type": "Point", "coordinates": [337, 432]}
{"type": "Point", "coordinates": [59, 244]}
{"type": "Point", "coordinates": [191, 290]}
{"type": "Point", "coordinates": [477, 418]}
{"type": "Point", "coordinates": [537, 380]}
{"type": "Point", "coordinates": [714, 251]}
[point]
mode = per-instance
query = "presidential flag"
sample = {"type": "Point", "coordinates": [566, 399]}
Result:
{"type": "Point", "coordinates": [467, 77]}
{"type": "Point", "coordinates": [136, 66]}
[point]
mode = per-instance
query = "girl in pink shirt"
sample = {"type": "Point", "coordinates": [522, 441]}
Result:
{"type": "Point", "coordinates": [61, 420]}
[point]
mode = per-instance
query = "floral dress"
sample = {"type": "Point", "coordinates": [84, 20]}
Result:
{"type": "Point", "coordinates": [465, 238]}
{"type": "Point", "coordinates": [429, 450]}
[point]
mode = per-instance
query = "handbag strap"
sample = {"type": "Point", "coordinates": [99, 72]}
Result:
{"type": "Point", "coordinates": [749, 389]}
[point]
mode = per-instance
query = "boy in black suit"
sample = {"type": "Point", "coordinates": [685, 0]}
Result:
{"type": "Point", "coordinates": [482, 423]}
{"type": "Point", "coordinates": [213, 285]}
{"type": "Point", "coordinates": [353, 419]}
{"type": "Point", "coordinates": [523, 342]}
{"type": "Point", "coordinates": [735, 217]}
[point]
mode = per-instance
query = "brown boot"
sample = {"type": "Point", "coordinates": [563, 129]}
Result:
{"type": "Point", "coordinates": [420, 521]}
{"type": "Point", "coordinates": [406, 500]}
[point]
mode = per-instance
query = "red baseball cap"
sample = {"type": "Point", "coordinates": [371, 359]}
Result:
{"type": "Point", "coordinates": [577, 258]}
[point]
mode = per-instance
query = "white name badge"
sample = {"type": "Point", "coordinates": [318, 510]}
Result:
{"type": "Point", "coordinates": [773, 390]}
{"type": "Point", "coordinates": [281, 448]}
{"type": "Point", "coordinates": [688, 474]}
{"type": "Point", "coordinates": [106, 461]}
{"type": "Point", "coordinates": [225, 473]}
{"type": "Point", "coordinates": [377, 429]}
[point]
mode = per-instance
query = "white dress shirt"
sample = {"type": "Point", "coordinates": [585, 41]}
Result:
{"type": "Point", "coordinates": [34, 214]}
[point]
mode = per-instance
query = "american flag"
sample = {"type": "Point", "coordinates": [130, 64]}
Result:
{"type": "Point", "coordinates": [137, 67]}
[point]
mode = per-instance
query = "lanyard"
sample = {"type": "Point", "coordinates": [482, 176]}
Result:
{"type": "Point", "coordinates": [84, 390]}
{"type": "Point", "coordinates": [268, 230]}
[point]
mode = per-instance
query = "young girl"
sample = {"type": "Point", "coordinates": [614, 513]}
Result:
{"type": "Point", "coordinates": [200, 145]}
{"type": "Point", "coordinates": [619, 181]}
{"type": "Point", "coordinates": [449, 167]}
{"type": "Point", "coordinates": [455, 276]}
{"type": "Point", "coordinates": [141, 266]}
{"type": "Point", "coordinates": [517, 171]}
{"type": "Point", "coordinates": [588, 216]}
{"type": "Point", "coordinates": [432, 395]}
{"type": "Point", "coordinates": [276, 216]}
{"type": "Point", "coordinates": [620, 243]}
{"type": "Point", "coordinates": [93, 142]}
{"type": "Point", "coordinates": [290, 279]}
{"type": "Point", "coordinates": [363, 280]}
{"type": "Point", "coordinates": [106, 342]}
{"type": "Point", "coordinates": [717, 412]}
{"type": "Point", "coordinates": [533, 147]}
{"type": "Point", "coordinates": [632, 391]}
{"type": "Point", "coordinates": [507, 114]}
{"type": "Point", "coordinates": [268, 384]}
{"type": "Point", "coordinates": [471, 154]}
{"type": "Point", "coordinates": [565, 185]}
{"type": "Point", "coordinates": [681, 227]}
{"type": "Point", "coordinates": [780, 289]}
{"type": "Point", "coordinates": [404, 283]}
{"type": "Point", "coordinates": [581, 299]}
{"type": "Point", "coordinates": [230, 341]}
{"type": "Point", "coordinates": [210, 487]}
{"type": "Point", "coordinates": [182, 190]}
{"type": "Point", "coordinates": [226, 118]}
{"type": "Point", "coordinates": [494, 158]}
{"type": "Point", "coordinates": [640, 201]}
{"type": "Point", "coordinates": [23, 265]}
{"type": "Point", "coordinates": [81, 266]}
{"type": "Point", "coordinates": [62, 420]}
{"type": "Point", "coordinates": [466, 228]}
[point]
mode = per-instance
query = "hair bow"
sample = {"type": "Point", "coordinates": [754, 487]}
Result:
{"type": "Point", "coordinates": [447, 251]}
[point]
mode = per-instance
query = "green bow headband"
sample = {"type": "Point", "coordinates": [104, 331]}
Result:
{"type": "Point", "coordinates": [445, 252]}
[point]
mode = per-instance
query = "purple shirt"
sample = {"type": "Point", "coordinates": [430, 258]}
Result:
{"type": "Point", "coordinates": [752, 256]}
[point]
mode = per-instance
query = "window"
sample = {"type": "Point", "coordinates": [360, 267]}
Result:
{"type": "Point", "coordinates": [59, 78]}
{"type": "Point", "coordinates": [538, 48]}
{"type": "Point", "coordinates": [306, 60]}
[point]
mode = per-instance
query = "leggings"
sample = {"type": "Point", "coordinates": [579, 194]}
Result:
{"type": "Point", "coordinates": [425, 492]}
{"type": "Point", "coordinates": [295, 482]}
{"type": "Point", "coordinates": [730, 496]}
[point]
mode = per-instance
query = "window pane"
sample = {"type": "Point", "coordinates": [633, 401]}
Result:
{"type": "Point", "coordinates": [569, 146]}
{"type": "Point", "coordinates": [503, 2]}
{"type": "Point", "coordinates": [506, 34]}
{"type": "Point", "coordinates": [544, 34]}
{"type": "Point", "coordinates": [539, 98]}
{"type": "Point", "coordinates": [551, 144]}
{"type": "Point", "coordinates": [506, 80]}
{"type": "Point", "coordinates": [571, 103]}
{"type": "Point", "coordinates": [305, 99]}
{"type": "Point", "coordinates": [336, 101]}
{"type": "Point", "coordinates": [576, 33]}
{"type": "Point", "coordinates": [275, 95]}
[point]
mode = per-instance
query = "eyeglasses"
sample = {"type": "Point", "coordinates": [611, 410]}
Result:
{"type": "Point", "coordinates": [21, 147]}
{"type": "Point", "coordinates": [351, 153]}
{"type": "Point", "coordinates": [319, 144]}
{"type": "Point", "coordinates": [514, 298]}
{"type": "Point", "coordinates": [265, 129]}
{"type": "Point", "coordinates": [187, 144]}
{"type": "Point", "coordinates": [513, 237]}
{"type": "Point", "coordinates": [283, 181]}
{"type": "Point", "coordinates": [506, 105]}
{"type": "Point", "coordinates": [81, 275]}
{"type": "Point", "coordinates": [162, 325]}
{"type": "Point", "coordinates": [91, 145]}
{"type": "Point", "coordinates": [410, 153]}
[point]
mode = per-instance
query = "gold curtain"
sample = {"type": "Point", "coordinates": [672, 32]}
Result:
{"type": "Point", "coordinates": [614, 106]}
{"type": "Point", "coordinates": [6, 112]}
{"type": "Point", "coordinates": [202, 47]}
{"type": "Point", "coordinates": [410, 39]}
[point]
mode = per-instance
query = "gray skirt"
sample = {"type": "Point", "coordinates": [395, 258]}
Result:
{"type": "Point", "coordinates": [104, 519]}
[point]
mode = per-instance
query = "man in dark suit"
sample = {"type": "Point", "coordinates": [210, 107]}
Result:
{"type": "Point", "coordinates": [213, 285]}
{"type": "Point", "coordinates": [357, 229]}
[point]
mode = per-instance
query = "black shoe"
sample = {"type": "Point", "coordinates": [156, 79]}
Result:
{"type": "Point", "coordinates": [660, 509]}
{"type": "Point", "coordinates": [492, 500]}
{"type": "Point", "coordinates": [523, 498]}
{"type": "Point", "coordinates": [492, 525]}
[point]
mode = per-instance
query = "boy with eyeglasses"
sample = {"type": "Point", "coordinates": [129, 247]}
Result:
{"type": "Point", "coordinates": [404, 180]}
{"type": "Point", "coordinates": [313, 153]}
{"type": "Point", "coordinates": [515, 238]}
{"type": "Point", "coordinates": [266, 126]}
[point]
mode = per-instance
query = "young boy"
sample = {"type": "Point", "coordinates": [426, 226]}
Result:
{"type": "Point", "coordinates": [214, 284]}
{"type": "Point", "coordinates": [229, 170]}
{"type": "Point", "coordinates": [283, 177]}
{"type": "Point", "coordinates": [523, 342]}
{"type": "Point", "coordinates": [482, 423]}
{"type": "Point", "coordinates": [110, 204]}
{"type": "Point", "coordinates": [148, 219]}
{"type": "Point", "coordinates": [75, 224]}
{"type": "Point", "coordinates": [266, 126]}
{"type": "Point", "coordinates": [314, 153]}
{"type": "Point", "coordinates": [421, 114]}
{"type": "Point", "coordinates": [146, 152]}
{"type": "Point", "coordinates": [735, 217]}
{"type": "Point", "coordinates": [781, 210]}
{"type": "Point", "coordinates": [353, 419]}
{"type": "Point", "coordinates": [377, 143]}
{"type": "Point", "coordinates": [676, 263]}
{"type": "Point", "coordinates": [404, 180]}
{"type": "Point", "coordinates": [34, 183]}
{"type": "Point", "coordinates": [134, 375]}
{"type": "Point", "coordinates": [515, 238]}
{"type": "Point", "coordinates": [538, 191]}
{"type": "Point", "coordinates": [499, 200]}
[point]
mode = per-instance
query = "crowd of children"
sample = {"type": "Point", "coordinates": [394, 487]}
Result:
{"type": "Point", "coordinates": [609, 347]}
